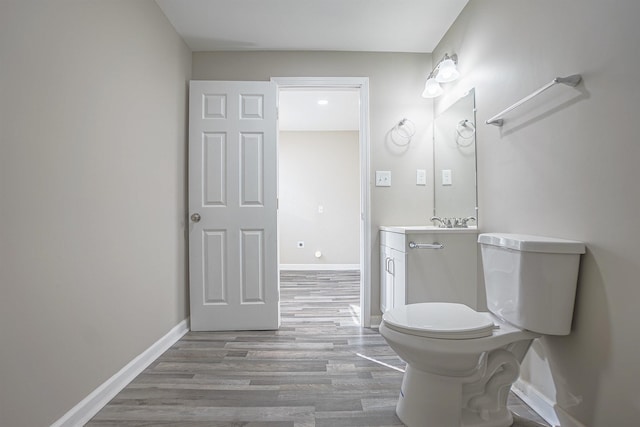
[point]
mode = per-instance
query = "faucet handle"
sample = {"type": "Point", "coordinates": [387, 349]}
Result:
{"type": "Point", "coordinates": [442, 221]}
{"type": "Point", "coordinates": [462, 222]}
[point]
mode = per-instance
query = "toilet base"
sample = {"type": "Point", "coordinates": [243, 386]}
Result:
{"type": "Point", "coordinates": [429, 400]}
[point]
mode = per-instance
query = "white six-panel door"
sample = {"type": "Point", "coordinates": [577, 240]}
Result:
{"type": "Point", "coordinates": [233, 256]}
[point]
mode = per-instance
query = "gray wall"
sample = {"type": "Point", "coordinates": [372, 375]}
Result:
{"type": "Point", "coordinates": [319, 169]}
{"type": "Point", "coordinates": [92, 196]}
{"type": "Point", "coordinates": [395, 88]}
{"type": "Point", "coordinates": [566, 165]}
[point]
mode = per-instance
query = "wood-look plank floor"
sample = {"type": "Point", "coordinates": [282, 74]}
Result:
{"type": "Point", "coordinates": [319, 369]}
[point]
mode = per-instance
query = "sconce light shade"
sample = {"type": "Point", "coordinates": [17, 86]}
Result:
{"type": "Point", "coordinates": [447, 71]}
{"type": "Point", "coordinates": [432, 89]}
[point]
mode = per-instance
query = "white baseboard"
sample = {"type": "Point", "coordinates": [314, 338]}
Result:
{"type": "Point", "coordinates": [548, 410]}
{"type": "Point", "coordinates": [320, 267]}
{"type": "Point", "coordinates": [376, 319]}
{"type": "Point", "coordinates": [536, 401]}
{"type": "Point", "coordinates": [91, 405]}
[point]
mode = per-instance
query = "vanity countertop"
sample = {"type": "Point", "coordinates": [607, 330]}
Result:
{"type": "Point", "coordinates": [424, 229]}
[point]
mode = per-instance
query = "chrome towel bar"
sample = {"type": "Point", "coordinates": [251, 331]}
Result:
{"type": "Point", "coordinates": [435, 245]}
{"type": "Point", "coordinates": [569, 81]}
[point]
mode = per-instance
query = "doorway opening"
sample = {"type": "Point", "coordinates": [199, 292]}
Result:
{"type": "Point", "coordinates": [323, 216]}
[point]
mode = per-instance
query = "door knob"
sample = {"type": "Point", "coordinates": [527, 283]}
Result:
{"type": "Point", "coordinates": [195, 217]}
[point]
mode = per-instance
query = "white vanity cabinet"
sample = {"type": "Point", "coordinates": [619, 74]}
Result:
{"type": "Point", "coordinates": [424, 273]}
{"type": "Point", "coordinates": [392, 273]}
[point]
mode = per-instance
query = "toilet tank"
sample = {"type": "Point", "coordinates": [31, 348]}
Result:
{"type": "Point", "coordinates": [531, 280]}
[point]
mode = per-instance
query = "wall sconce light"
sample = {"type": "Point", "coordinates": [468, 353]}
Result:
{"type": "Point", "coordinates": [444, 72]}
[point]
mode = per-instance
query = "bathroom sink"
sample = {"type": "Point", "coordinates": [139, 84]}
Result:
{"type": "Point", "coordinates": [410, 229]}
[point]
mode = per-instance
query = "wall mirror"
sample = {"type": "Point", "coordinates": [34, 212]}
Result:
{"type": "Point", "coordinates": [454, 158]}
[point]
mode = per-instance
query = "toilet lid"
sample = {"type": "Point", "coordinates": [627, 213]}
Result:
{"type": "Point", "coordinates": [439, 320]}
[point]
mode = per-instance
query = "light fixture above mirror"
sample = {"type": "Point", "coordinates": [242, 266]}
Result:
{"type": "Point", "coordinates": [444, 72]}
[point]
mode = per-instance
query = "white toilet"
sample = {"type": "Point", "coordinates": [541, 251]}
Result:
{"type": "Point", "coordinates": [461, 363]}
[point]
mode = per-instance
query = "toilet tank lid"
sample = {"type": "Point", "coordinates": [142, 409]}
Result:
{"type": "Point", "coordinates": [528, 243]}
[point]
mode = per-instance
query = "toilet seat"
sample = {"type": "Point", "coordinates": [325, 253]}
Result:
{"type": "Point", "coordinates": [439, 320]}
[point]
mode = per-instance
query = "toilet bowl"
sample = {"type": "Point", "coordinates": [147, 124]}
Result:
{"type": "Point", "coordinates": [447, 378]}
{"type": "Point", "coordinates": [461, 363]}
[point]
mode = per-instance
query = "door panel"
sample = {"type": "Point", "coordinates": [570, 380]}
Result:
{"type": "Point", "coordinates": [214, 258]}
{"type": "Point", "coordinates": [215, 168]}
{"type": "Point", "coordinates": [252, 173]}
{"type": "Point", "coordinates": [233, 255]}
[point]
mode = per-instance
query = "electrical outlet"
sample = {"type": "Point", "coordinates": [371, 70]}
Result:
{"type": "Point", "coordinates": [383, 178]}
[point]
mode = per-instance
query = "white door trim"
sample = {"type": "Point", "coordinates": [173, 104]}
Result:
{"type": "Point", "coordinates": [362, 84]}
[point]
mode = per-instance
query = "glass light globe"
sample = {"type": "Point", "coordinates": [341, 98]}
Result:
{"type": "Point", "coordinates": [432, 89]}
{"type": "Point", "coordinates": [447, 71]}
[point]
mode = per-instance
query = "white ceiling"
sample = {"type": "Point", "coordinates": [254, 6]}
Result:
{"type": "Point", "coordinates": [333, 25]}
{"type": "Point", "coordinates": [341, 25]}
{"type": "Point", "coordinates": [300, 111]}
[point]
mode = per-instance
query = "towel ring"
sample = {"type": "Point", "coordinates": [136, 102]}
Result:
{"type": "Point", "coordinates": [402, 132]}
{"type": "Point", "coordinates": [462, 124]}
{"type": "Point", "coordinates": [460, 130]}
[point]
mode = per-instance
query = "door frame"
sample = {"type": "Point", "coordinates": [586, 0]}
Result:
{"type": "Point", "coordinates": [362, 85]}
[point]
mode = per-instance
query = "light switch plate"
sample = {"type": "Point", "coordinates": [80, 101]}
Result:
{"type": "Point", "coordinates": [383, 178]}
{"type": "Point", "coordinates": [446, 176]}
{"type": "Point", "coordinates": [421, 177]}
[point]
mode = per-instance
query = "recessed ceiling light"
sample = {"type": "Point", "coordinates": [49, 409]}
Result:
{"type": "Point", "coordinates": [323, 102]}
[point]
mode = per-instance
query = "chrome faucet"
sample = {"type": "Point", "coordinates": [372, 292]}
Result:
{"type": "Point", "coordinates": [462, 222]}
{"type": "Point", "coordinates": [444, 222]}
{"type": "Point", "coordinates": [453, 222]}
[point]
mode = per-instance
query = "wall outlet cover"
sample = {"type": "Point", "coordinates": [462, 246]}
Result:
{"type": "Point", "coordinates": [383, 178]}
